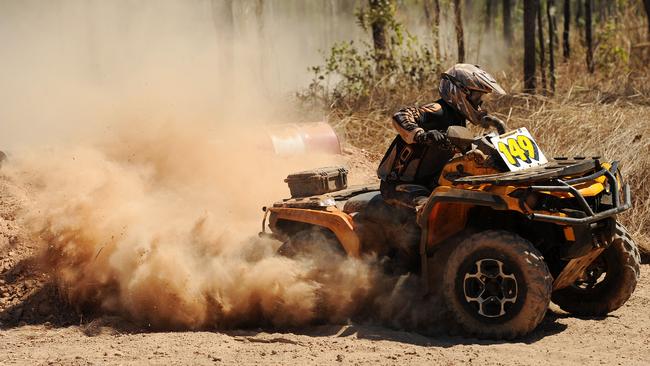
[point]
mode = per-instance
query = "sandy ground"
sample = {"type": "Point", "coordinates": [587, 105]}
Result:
{"type": "Point", "coordinates": [620, 339]}
{"type": "Point", "coordinates": [38, 328]}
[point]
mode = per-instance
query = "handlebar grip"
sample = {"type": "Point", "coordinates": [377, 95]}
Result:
{"type": "Point", "coordinates": [492, 121]}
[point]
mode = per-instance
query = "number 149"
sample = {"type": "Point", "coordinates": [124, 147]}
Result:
{"type": "Point", "coordinates": [519, 149]}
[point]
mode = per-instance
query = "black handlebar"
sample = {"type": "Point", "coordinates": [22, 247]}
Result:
{"type": "Point", "coordinates": [492, 121]}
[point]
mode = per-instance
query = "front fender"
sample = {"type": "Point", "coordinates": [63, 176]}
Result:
{"type": "Point", "coordinates": [445, 213]}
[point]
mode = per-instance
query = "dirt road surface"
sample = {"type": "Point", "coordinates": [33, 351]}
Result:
{"type": "Point", "coordinates": [36, 327]}
{"type": "Point", "coordinates": [620, 339]}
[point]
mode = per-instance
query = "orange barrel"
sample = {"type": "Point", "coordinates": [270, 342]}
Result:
{"type": "Point", "coordinates": [298, 138]}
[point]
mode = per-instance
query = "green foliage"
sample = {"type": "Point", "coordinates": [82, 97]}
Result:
{"type": "Point", "coordinates": [383, 13]}
{"type": "Point", "coordinates": [350, 75]}
{"type": "Point", "coordinates": [610, 52]}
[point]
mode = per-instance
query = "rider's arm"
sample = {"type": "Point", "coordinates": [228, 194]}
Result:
{"type": "Point", "coordinates": [408, 121]}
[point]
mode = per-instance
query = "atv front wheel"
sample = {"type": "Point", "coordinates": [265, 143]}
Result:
{"type": "Point", "coordinates": [607, 283]}
{"type": "Point", "coordinates": [496, 285]}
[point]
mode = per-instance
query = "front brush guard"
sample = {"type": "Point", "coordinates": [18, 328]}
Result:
{"type": "Point", "coordinates": [589, 215]}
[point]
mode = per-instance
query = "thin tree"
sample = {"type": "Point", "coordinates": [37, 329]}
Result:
{"type": "Point", "coordinates": [469, 9]}
{"type": "Point", "coordinates": [436, 36]}
{"type": "Point", "coordinates": [542, 51]}
{"type": "Point", "coordinates": [489, 15]}
{"type": "Point", "coordinates": [507, 21]}
{"type": "Point", "coordinates": [458, 23]}
{"type": "Point", "coordinates": [566, 47]}
{"type": "Point", "coordinates": [602, 10]}
{"type": "Point", "coordinates": [432, 13]}
{"type": "Point", "coordinates": [259, 20]}
{"type": "Point", "coordinates": [378, 22]}
{"type": "Point", "coordinates": [556, 39]}
{"type": "Point", "coordinates": [550, 13]}
{"type": "Point", "coordinates": [428, 15]}
{"type": "Point", "coordinates": [579, 8]}
{"type": "Point", "coordinates": [428, 12]}
{"type": "Point", "coordinates": [588, 36]}
{"type": "Point", "coordinates": [647, 11]}
{"type": "Point", "coordinates": [529, 45]}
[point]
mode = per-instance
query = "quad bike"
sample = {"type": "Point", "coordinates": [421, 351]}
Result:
{"type": "Point", "coordinates": [503, 233]}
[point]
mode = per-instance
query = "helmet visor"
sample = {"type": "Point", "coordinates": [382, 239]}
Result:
{"type": "Point", "coordinates": [488, 83]}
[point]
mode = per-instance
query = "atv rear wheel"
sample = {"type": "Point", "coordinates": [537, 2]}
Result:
{"type": "Point", "coordinates": [314, 242]}
{"type": "Point", "coordinates": [607, 283]}
{"type": "Point", "coordinates": [496, 285]}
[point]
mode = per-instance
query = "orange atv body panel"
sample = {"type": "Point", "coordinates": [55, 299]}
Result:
{"type": "Point", "coordinates": [335, 220]}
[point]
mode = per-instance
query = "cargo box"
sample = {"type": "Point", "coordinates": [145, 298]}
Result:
{"type": "Point", "coordinates": [317, 181]}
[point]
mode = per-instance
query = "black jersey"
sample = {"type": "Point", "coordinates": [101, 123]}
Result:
{"type": "Point", "coordinates": [409, 162]}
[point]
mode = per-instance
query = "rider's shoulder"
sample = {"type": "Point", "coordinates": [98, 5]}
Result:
{"type": "Point", "coordinates": [435, 108]}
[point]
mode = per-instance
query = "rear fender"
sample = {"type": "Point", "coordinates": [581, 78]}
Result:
{"type": "Point", "coordinates": [337, 221]}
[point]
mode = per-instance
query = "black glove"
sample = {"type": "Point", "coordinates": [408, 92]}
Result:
{"type": "Point", "coordinates": [430, 137]}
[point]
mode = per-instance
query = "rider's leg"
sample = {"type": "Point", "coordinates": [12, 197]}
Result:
{"type": "Point", "coordinates": [405, 231]}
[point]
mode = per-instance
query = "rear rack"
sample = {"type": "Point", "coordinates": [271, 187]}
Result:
{"type": "Point", "coordinates": [589, 215]}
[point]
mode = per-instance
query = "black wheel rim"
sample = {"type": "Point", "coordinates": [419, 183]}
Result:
{"type": "Point", "coordinates": [490, 288]}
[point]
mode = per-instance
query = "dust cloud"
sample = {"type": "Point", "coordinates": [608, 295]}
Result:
{"type": "Point", "coordinates": [143, 155]}
{"type": "Point", "coordinates": [157, 225]}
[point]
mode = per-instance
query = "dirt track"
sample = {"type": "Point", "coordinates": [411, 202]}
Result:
{"type": "Point", "coordinates": [36, 329]}
{"type": "Point", "coordinates": [620, 339]}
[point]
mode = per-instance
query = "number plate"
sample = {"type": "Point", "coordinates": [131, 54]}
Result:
{"type": "Point", "coordinates": [519, 150]}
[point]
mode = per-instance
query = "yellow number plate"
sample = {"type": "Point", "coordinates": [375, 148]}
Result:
{"type": "Point", "coordinates": [519, 150]}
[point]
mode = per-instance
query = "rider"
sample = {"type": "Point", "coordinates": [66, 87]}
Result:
{"type": "Point", "coordinates": [410, 167]}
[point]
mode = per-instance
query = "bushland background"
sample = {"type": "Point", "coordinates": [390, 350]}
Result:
{"type": "Point", "coordinates": [576, 73]}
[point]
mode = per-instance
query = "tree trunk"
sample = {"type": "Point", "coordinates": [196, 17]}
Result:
{"type": "Point", "coordinates": [489, 15]}
{"type": "Point", "coordinates": [436, 21]}
{"type": "Point", "coordinates": [550, 13]}
{"type": "Point", "coordinates": [588, 36]}
{"type": "Point", "coordinates": [529, 45]}
{"type": "Point", "coordinates": [432, 12]}
{"type": "Point", "coordinates": [469, 9]}
{"type": "Point", "coordinates": [542, 51]}
{"type": "Point", "coordinates": [647, 12]}
{"type": "Point", "coordinates": [566, 48]}
{"type": "Point", "coordinates": [428, 11]}
{"type": "Point", "coordinates": [259, 19]}
{"type": "Point", "coordinates": [507, 21]}
{"type": "Point", "coordinates": [556, 39]}
{"type": "Point", "coordinates": [460, 39]}
{"type": "Point", "coordinates": [378, 27]}
{"type": "Point", "coordinates": [602, 10]}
